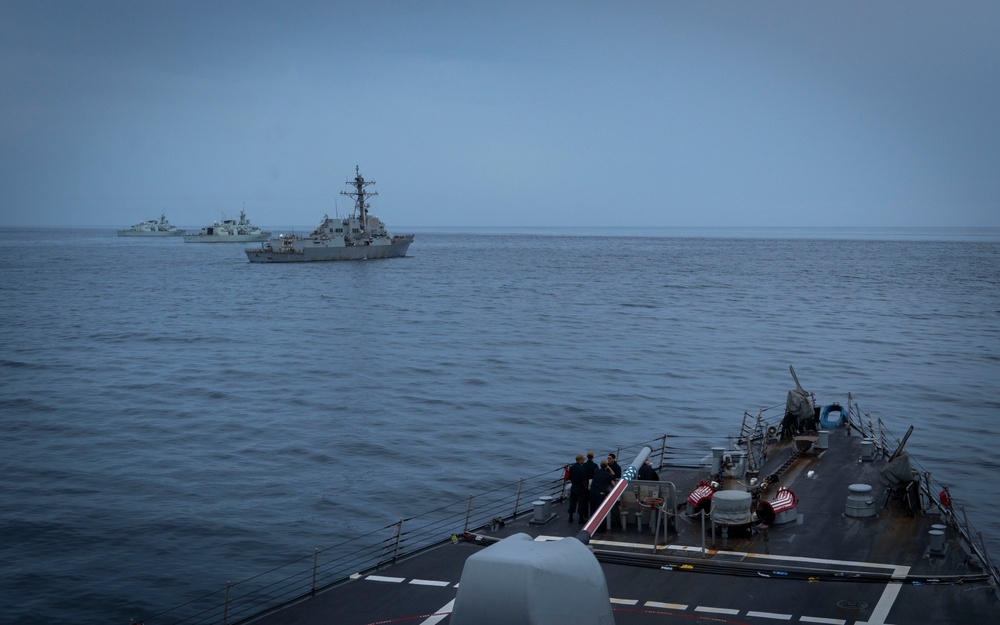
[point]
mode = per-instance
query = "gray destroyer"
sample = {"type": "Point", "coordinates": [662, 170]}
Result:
{"type": "Point", "coordinates": [358, 237]}
{"type": "Point", "coordinates": [229, 231]}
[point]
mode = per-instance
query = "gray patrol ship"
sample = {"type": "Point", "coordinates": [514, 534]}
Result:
{"type": "Point", "coordinates": [814, 514]}
{"type": "Point", "coordinates": [229, 231]}
{"type": "Point", "coordinates": [358, 237]}
{"type": "Point", "coordinates": [153, 228]}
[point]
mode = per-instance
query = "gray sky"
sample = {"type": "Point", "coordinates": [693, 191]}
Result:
{"type": "Point", "coordinates": [663, 113]}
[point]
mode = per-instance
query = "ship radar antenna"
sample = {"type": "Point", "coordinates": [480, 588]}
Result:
{"type": "Point", "coordinates": [359, 194]}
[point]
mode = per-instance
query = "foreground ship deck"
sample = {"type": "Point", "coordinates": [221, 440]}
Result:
{"type": "Point", "coordinates": [851, 551]}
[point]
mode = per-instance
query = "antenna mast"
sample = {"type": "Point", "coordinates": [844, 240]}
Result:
{"type": "Point", "coordinates": [359, 194]}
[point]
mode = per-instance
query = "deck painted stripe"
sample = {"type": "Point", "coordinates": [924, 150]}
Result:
{"type": "Point", "coordinates": [742, 554]}
{"type": "Point", "coordinates": [668, 606]}
{"type": "Point", "coordinates": [888, 598]}
{"type": "Point", "coordinates": [711, 610]}
{"type": "Point", "coordinates": [428, 582]}
{"type": "Point", "coordinates": [780, 617]}
{"type": "Point", "coordinates": [764, 556]}
{"type": "Point", "coordinates": [624, 601]}
{"type": "Point", "coordinates": [380, 578]}
{"type": "Point", "coordinates": [442, 613]}
{"type": "Point", "coordinates": [619, 543]}
{"type": "Point", "coordinates": [825, 621]}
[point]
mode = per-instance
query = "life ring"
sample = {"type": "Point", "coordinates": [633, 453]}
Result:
{"type": "Point", "coordinates": [944, 498]}
{"type": "Point", "coordinates": [827, 423]}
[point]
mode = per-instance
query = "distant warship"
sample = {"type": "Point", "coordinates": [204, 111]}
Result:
{"type": "Point", "coordinates": [358, 237]}
{"type": "Point", "coordinates": [152, 228]}
{"type": "Point", "coordinates": [229, 231]}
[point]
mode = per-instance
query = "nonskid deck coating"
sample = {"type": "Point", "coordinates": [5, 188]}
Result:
{"type": "Point", "coordinates": [821, 568]}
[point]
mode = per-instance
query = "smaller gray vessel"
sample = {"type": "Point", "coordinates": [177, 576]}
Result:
{"type": "Point", "coordinates": [358, 237]}
{"type": "Point", "coordinates": [152, 228]}
{"type": "Point", "coordinates": [229, 231]}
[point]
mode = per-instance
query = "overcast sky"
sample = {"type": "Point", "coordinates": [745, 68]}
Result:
{"type": "Point", "coordinates": [543, 113]}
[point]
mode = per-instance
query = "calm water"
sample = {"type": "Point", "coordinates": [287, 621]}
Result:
{"type": "Point", "coordinates": [174, 417]}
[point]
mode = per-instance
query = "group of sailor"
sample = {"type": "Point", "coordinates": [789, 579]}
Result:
{"type": "Point", "coordinates": [590, 483]}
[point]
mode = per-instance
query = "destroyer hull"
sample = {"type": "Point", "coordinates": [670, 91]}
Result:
{"type": "Point", "coordinates": [132, 233]}
{"type": "Point", "coordinates": [317, 254]}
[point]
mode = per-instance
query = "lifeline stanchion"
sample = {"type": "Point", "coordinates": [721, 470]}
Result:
{"type": "Point", "coordinates": [468, 513]}
{"type": "Point", "coordinates": [225, 607]}
{"type": "Point", "coordinates": [315, 566]}
{"type": "Point", "coordinates": [704, 552]}
{"type": "Point", "coordinates": [517, 499]}
{"type": "Point", "coordinates": [399, 535]}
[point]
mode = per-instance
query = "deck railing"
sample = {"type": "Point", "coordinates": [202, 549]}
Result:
{"type": "Point", "coordinates": [313, 572]}
{"type": "Point", "coordinates": [935, 494]}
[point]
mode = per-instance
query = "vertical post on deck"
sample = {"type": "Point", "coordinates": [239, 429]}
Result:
{"type": "Point", "coordinates": [315, 566]}
{"type": "Point", "coordinates": [468, 513]}
{"type": "Point", "coordinates": [704, 551]}
{"type": "Point", "coordinates": [225, 607]}
{"type": "Point", "coordinates": [399, 536]}
{"type": "Point", "coordinates": [517, 499]}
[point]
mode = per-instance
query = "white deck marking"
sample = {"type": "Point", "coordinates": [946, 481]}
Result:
{"type": "Point", "coordinates": [624, 601]}
{"type": "Point", "coordinates": [711, 610]}
{"type": "Point", "coordinates": [879, 613]}
{"type": "Point", "coordinates": [428, 582]}
{"type": "Point", "coordinates": [780, 617]}
{"type": "Point", "coordinates": [442, 613]}
{"type": "Point", "coordinates": [618, 543]}
{"type": "Point", "coordinates": [668, 606]}
{"type": "Point", "coordinates": [765, 556]}
{"type": "Point", "coordinates": [380, 578]}
{"type": "Point", "coordinates": [745, 554]}
{"type": "Point", "coordinates": [888, 598]}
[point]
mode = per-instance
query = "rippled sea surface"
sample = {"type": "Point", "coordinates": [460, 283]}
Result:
{"type": "Point", "coordinates": [173, 417]}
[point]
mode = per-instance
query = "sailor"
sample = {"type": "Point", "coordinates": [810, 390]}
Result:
{"type": "Point", "coordinates": [614, 466]}
{"type": "Point", "coordinates": [578, 489]}
{"type": "Point", "coordinates": [600, 486]}
{"type": "Point", "coordinates": [616, 471]}
{"type": "Point", "coordinates": [646, 472]}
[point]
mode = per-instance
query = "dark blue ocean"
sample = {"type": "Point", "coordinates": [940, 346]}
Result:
{"type": "Point", "coordinates": [173, 417]}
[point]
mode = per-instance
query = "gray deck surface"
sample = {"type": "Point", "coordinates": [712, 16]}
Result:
{"type": "Point", "coordinates": [822, 567]}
